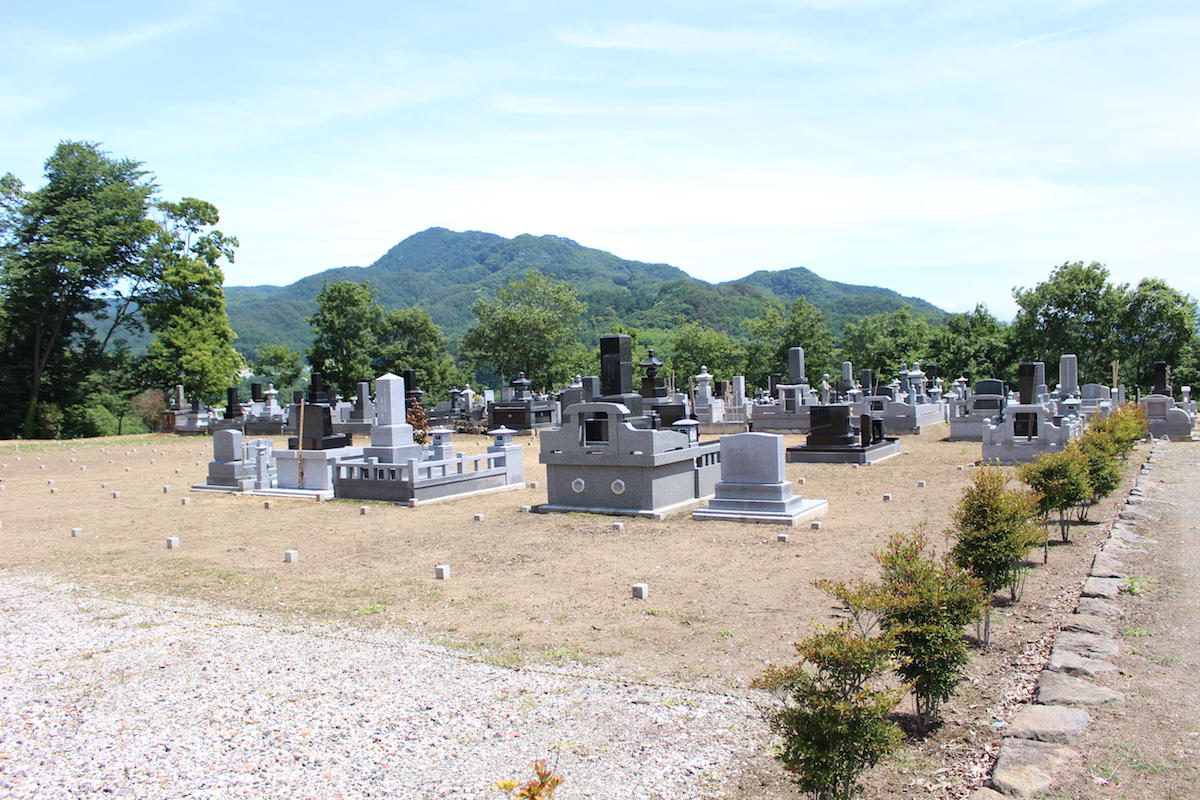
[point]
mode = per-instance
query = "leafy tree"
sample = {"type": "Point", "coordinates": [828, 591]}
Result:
{"type": "Point", "coordinates": [1061, 479]}
{"type": "Point", "coordinates": [835, 723]}
{"type": "Point", "coordinates": [344, 334]}
{"type": "Point", "coordinates": [280, 365]}
{"type": "Point", "coordinates": [773, 333]}
{"type": "Point", "coordinates": [72, 248]}
{"type": "Point", "coordinates": [994, 529]}
{"type": "Point", "coordinates": [974, 342]}
{"type": "Point", "coordinates": [1099, 450]}
{"type": "Point", "coordinates": [408, 339]}
{"type": "Point", "coordinates": [193, 342]}
{"type": "Point", "coordinates": [886, 343]}
{"type": "Point", "coordinates": [1126, 425]}
{"type": "Point", "coordinates": [529, 326]}
{"type": "Point", "coordinates": [929, 600]}
{"type": "Point", "coordinates": [1076, 310]}
{"type": "Point", "coordinates": [1157, 324]}
{"type": "Point", "coordinates": [693, 345]}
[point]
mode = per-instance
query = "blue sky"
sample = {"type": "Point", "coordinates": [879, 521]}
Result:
{"type": "Point", "coordinates": [947, 150]}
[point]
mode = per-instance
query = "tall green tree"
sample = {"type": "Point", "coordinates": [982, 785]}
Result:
{"type": "Point", "coordinates": [1158, 323]}
{"type": "Point", "coordinates": [974, 342]}
{"type": "Point", "coordinates": [344, 334]}
{"type": "Point", "coordinates": [529, 326]}
{"type": "Point", "coordinates": [886, 343]}
{"type": "Point", "coordinates": [1076, 310]}
{"type": "Point", "coordinates": [407, 338]}
{"type": "Point", "coordinates": [193, 341]}
{"type": "Point", "coordinates": [694, 345]}
{"type": "Point", "coordinates": [771, 335]}
{"type": "Point", "coordinates": [280, 365]}
{"type": "Point", "coordinates": [75, 247]}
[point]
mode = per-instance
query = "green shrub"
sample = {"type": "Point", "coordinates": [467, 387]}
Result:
{"type": "Point", "coordinates": [835, 724]}
{"type": "Point", "coordinates": [929, 601]}
{"type": "Point", "coordinates": [994, 529]}
{"type": "Point", "coordinates": [1061, 480]}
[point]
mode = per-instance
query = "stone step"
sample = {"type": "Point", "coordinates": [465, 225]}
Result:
{"type": "Point", "coordinates": [1075, 664]}
{"type": "Point", "coordinates": [1086, 644]}
{"type": "Point", "coordinates": [1108, 588]}
{"type": "Point", "coordinates": [1094, 606]}
{"type": "Point", "coordinates": [1026, 767]}
{"type": "Point", "coordinates": [1087, 623]}
{"type": "Point", "coordinates": [1105, 566]}
{"type": "Point", "coordinates": [1049, 723]}
{"type": "Point", "coordinates": [1062, 689]}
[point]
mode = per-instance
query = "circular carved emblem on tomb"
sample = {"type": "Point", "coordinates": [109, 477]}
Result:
{"type": "Point", "coordinates": [618, 486]}
{"type": "Point", "coordinates": [578, 485]}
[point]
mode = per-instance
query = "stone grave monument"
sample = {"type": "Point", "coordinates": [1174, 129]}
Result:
{"type": "Point", "coordinates": [834, 440]}
{"type": "Point", "coordinates": [754, 486]}
{"type": "Point", "coordinates": [1028, 428]}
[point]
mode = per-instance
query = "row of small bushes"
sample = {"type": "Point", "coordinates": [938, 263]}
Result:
{"type": "Point", "coordinates": [836, 721]}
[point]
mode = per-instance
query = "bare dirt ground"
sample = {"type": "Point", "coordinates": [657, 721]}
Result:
{"type": "Point", "coordinates": [527, 589]}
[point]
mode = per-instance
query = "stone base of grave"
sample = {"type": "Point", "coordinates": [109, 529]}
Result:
{"type": "Point", "coordinates": [353, 428]}
{"type": "Point", "coordinates": [722, 428]}
{"type": "Point", "coordinates": [900, 419]}
{"type": "Point", "coordinates": [647, 513]}
{"type": "Point", "coordinates": [816, 454]}
{"type": "Point", "coordinates": [233, 424]}
{"type": "Point", "coordinates": [318, 467]}
{"type": "Point", "coordinates": [264, 426]}
{"type": "Point", "coordinates": [796, 511]}
{"type": "Point", "coordinates": [302, 494]}
{"type": "Point", "coordinates": [967, 430]}
{"type": "Point", "coordinates": [772, 419]}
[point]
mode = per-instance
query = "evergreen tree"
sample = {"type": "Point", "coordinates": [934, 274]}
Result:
{"type": "Point", "coordinates": [344, 334]}
{"type": "Point", "coordinates": [193, 342]}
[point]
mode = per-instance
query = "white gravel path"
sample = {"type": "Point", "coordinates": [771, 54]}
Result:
{"type": "Point", "coordinates": [223, 706]}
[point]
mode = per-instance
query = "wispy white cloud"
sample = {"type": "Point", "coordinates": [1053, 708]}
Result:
{"type": "Point", "coordinates": [1054, 35]}
{"type": "Point", "coordinates": [669, 36]}
{"type": "Point", "coordinates": [57, 48]}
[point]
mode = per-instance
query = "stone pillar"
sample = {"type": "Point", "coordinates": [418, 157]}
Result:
{"type": "Point", "coordinates": [848, 372]}
{"type": "Point", "coordinates": [1027, 375]}
{"type": "Point", "coordinates": [796, 372]}
{"type": "Point", "coordinates": [1068, 375]}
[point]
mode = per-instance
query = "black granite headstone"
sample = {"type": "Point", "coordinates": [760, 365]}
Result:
{"type": "Point", "coordinates": [866, 379]}
{"type": "Point", "coordinates": [233, 406]}
{"type": "Point", "coordinates": [297, 397]}
{"type": "Point", "coordinates": [1161, 379]}
{"type": "Point", "coordinates": [990, 386]}
{"type": "Point", "coordinates": [773, 381]}
{"type": "Point", "coordinates": [256, 393]}
{"type": "Point", "coordinates": [616, 365]}
{"type": "Point", "coordinates": [830, 427]}
{"type": "Point", "coordinates": [591, 388]}
{"type": "Point", "coordinates": [316, 389]}
{"type": "Point", "coordinates": [317, 431]}
{"type": "Point", "coordinates": [1027, 382]}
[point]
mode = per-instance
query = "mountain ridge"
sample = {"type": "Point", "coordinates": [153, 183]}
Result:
{"type": "Point", "coordinates": [444, 271]}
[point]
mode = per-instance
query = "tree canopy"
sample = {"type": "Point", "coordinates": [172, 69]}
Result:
{"type": "Point", "coordinates": [528, 326]}
{"type": "Point", "coordinates": [886, 343]}
{"type": "Point", "coordinates": [344, 334]}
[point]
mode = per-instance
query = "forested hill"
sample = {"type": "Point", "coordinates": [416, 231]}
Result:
{"type": "Point", "coordinates": [444, 271]}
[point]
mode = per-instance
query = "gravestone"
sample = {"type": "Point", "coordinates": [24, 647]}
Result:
{"type": "Point", "coordinates": [364, 408]}
{"type": "Point", "coordinates": [316, 431]}
{"type": "Point", "coordinates": [1161, 379]}
{"type": "Point", "coordinates": [833, 439]}
{"type": "Point", "coordinates": [256, 393]}
{"type": "Point", "coordinates": [616, 373]}
{"type": "Point", "coordinates": [754, 485]}
{"type": "Point", "coordinates": [796, 373]}
{"type": "Point", "coordinates": [1068, 375]}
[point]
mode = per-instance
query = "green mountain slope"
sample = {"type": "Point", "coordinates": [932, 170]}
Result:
{"type": "Point", "coordinates": [445, 271]}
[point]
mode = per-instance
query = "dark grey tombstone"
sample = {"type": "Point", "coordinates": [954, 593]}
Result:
{"type": "Point", "coordinates": [316, 389]}
{"type": "Point", "coordinates": [721, 389]}
{"type": "Point", "coordinates": [616, 365]}
{"type": "Point", "coordinates": [830, 427]}
{"type": "Point", "coordinates": [411, 390]}
{"type": "Point", "coordinates": [233, 406]}
{"type": "Point", "coordinates": [297, 397]}
{"type": "Point", "coordinates": [256, 393]}
{"type": "Point", "coordinates": [864, 430]}
{"type": "Point", "coordinates": [1161, 379]}
{"type": "Point", "coordinates": [1027, 382]}
{"type": "Point", "coordinates": [591, 388]}
{"type": "Point", "coordinates": [616, 373]}
{"type": "Point", "coordinates": [773, 381]}
{"type": "Point", "coordinates": [317, 431]}
{"type": "Point", "coordinates": [886, 391]}
{"type": "Point", "coordinates": [795, 356]}
{"type": "Point", "coordinates": [866, 379]}
{"type": "Point", "coordinates": [990, 386]}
